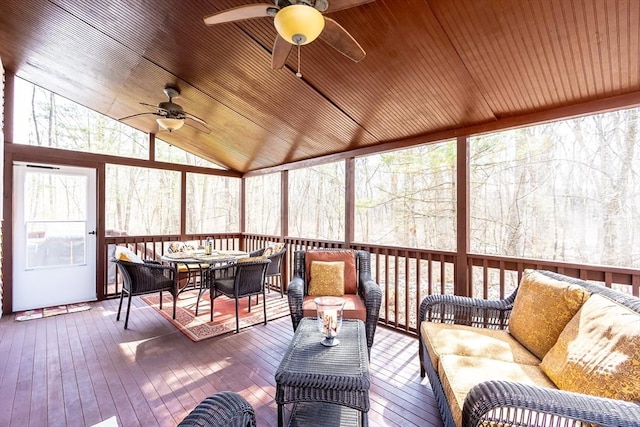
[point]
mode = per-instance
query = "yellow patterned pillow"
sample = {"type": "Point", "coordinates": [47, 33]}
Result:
{"type": "Point", "coordinates": [327, 278]}
{"type": "Point", "coordinates": [598, 353]}
{"type": "Point", "coordinates": [541, 310]}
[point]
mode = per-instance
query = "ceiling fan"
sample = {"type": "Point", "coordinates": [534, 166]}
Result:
{"type": "Point", "coordinates": [172, 116]}
{"type": "Point", "coordinates": [298, 22]}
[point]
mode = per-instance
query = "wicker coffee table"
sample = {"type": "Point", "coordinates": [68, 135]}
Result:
{"type": "Point", "coordinates": [328, 385]}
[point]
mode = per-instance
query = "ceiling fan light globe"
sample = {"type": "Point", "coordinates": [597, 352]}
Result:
{"type": "Point", "coordinates": [299, 24]}
{"type": "Point", "coordinates": [170, 124]}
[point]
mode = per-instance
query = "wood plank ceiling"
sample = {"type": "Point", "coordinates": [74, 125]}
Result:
{"type": "Point", "coordinates": [431, 66]}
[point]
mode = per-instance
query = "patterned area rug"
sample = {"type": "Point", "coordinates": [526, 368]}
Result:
{"type": "Point", "coordinates": [39, 313]}
{"type": "Point", "coordinates": [224, 318]}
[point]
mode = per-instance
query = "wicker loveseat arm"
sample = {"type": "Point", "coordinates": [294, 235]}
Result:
{"type": "Point", "coordinates": [371, 293]}
{"type": "Point", "coordinates": [467, 311]}
{"type": "Point", "coordinates": [508, 403]}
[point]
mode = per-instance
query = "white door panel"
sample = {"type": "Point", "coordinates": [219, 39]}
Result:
{"type": "Point", "coordinates": [54, 245]}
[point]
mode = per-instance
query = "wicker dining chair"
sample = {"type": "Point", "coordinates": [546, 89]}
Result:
{"type": "Point", "coordinates": [274, 270]}
{"type": "Point", "coordinates": [139, 278]}
{"type": "Point", "coordinates": [244, 278]}
{"type": "Point", "coordinates": [223, 409]}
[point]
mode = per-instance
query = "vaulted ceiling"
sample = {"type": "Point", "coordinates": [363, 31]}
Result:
{"type": "Point", "coordinates": [432, 66]}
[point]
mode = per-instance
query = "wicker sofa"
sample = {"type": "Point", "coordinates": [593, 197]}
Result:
{"type": "Point", "coordinates": [558, 351]}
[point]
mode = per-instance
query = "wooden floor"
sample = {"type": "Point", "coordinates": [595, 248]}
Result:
{"type": "Point", "coordinates": [82, 368]}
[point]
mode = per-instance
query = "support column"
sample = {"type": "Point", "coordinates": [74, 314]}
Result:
{"type": "Point", "coordinates": [349, 202]}
{"type": "Point", "coordinates": [243, 211]}
{"type": "Point", "coordinates": [462, 272]}
{"type": "Point", "coordinates": [2, 139]}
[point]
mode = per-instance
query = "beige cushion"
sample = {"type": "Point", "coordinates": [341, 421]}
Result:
{"type": "Point", "coordinates": [354, 307]}
{"type": "Point", "coordinates": [345, 255]}
{"type": "Point", "coordinates": [250, 259]}
{"type": "Point", "coordinates": [125, 254]}
{"type": "Point", "coordinates": [542, 308]}
{"type": "Point", "coordinates": [191, 268]}
{"type": "Point", "coordinates": [459, 374]}
{"type": "Point", "coordinates": [444, 338]}
{"type": "Point", "coordinates": [598, 352]}
{"type": "Point", "coordinates": [327, 278]}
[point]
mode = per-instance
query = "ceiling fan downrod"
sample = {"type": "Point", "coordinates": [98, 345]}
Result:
{"type": "Point", "coordinates": [299, 72]}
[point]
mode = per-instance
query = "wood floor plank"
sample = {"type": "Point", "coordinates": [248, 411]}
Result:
{"type": "Point", "coordinates": [38, 413]}
{"type": "Point", "coordinates": [82, 368]}
{"type": "Point", "coordinates": [10, 351]}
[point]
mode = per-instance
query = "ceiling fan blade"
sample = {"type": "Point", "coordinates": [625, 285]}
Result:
{"type": "Point", "coordinates": [198, 124]}
{"type": "Point", "coordinates": [339, 39]}
{"type": "Point", "coordinates": [281, 51]}
{"type": "Point", "coordinates": [136, 115]}
{"type": "Point", "coordinates": [148, 105]}
{"type": "Point", "coordinates": [194, 118]}
{"type": "Point", "coordinates": [240, 13]}
{"type": "Point", "coordinates": [335, 5]}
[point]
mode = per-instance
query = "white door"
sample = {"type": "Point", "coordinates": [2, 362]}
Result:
{"type": "Point", "coordinates": [54, 240]}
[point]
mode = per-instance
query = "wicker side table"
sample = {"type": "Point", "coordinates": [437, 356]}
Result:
{"type": "Point", "coordinates": [310, 372]}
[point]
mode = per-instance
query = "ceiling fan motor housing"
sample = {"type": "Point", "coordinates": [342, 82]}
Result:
{"type": "Point", "coordinates": [320, 5]}
{"type": "Point", "coordinates": [171, 109]}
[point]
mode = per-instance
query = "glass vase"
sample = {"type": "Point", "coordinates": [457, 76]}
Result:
{"type": "Point", "coordinates": [329, 319]}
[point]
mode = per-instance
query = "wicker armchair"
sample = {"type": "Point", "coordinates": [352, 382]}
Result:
{"type": "Point", "coordinates": [244, 278]}
{"type": "Point", "coordinates": [145, 278]}
{"type": "Point", "coordinates": [510, 403]}
{"type": "Point", "coordinates": [367, 289]}
{"type": "Point", "coordinates": [223, 409]}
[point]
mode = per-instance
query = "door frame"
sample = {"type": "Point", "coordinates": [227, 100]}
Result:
{"type": "Point", "coordinates": [43, 155]}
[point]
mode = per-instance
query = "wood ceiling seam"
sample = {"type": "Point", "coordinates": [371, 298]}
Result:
{"type": "Point", "coordinates": [634, 46]}
{"type": "Point", "coordinates": [539, 89]}
{"type": "Point", "coordinates": [434, 80]}
{"type": "Point", "coordinates": [531, 99]}
{"type": "Point", "coordinates": [588, 52]}
{"type": "Point", "coordinates": [468, 49]}
{"type": "Point", "coordinates": [556, 53]}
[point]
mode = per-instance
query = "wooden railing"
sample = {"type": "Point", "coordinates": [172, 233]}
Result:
{"type": "Point", "coordinates": [405, 275]}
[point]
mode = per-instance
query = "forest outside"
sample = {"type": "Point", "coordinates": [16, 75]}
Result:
{"type": "Point", "coordinates": [565, 191]}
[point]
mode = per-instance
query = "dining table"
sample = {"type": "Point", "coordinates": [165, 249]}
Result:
{"type": "Point", "coordinates": [194, 262]}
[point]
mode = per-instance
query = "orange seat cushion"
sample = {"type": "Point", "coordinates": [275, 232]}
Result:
{"type": "Point", "coordinates": [354, 307]}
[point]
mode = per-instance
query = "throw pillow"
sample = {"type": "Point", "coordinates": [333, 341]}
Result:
{"type": "Point", "coordinates": [542, 308]}
{"type": "Point", "coordinates": [176, 247]}
{"type": "Point", "coordinates": [327, 278]}
{"type": "Point", "coordinates": [125, 254]}
{"type": "Point", "coordinates": [598, 352]}
{"type": "Point", "coordinates": [344, 255]}
{"type": "Point", "coordinates": [273, 249]}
